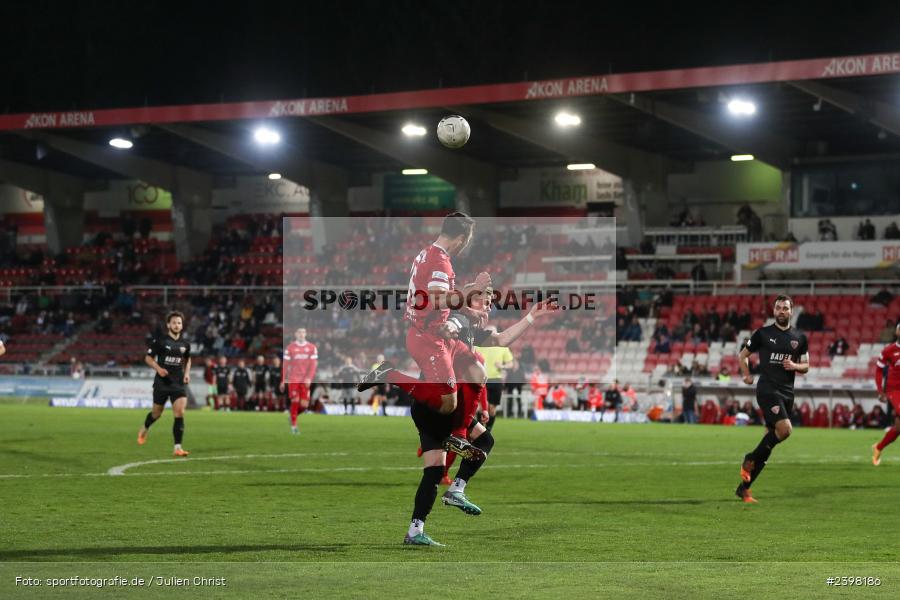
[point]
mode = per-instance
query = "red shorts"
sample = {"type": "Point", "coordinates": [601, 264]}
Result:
{"type": "Point", "coordinates": [469, 400]}
{"type": "Point", "coordinates": [436, 357]}
{"type": "Point", "coordinates": [298, 392]}
{"type": "Point", "coordinates": [894, 399]}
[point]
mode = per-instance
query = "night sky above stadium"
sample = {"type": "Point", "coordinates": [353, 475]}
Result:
{"type": "Point", "coordinates": [94, 54]}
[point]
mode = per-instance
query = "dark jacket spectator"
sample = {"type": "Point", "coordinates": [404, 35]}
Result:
{"type": "Point", "coordinates": [838, 347]}
{"type": "Point", "coordinates": [887, 334]}
{"type": "Point", "coordinates": [877, 418]}
{"type": "Point", "coordinates": [884, 297]}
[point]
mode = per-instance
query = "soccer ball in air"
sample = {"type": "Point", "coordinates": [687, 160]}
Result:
{"type": "Point", "coordinates": [453, 131]}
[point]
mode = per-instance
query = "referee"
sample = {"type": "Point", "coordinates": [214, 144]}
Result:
{"type": "Point", "coordinates": [783, 352]}
{"type": "Point", "coordinates": [497, 359]}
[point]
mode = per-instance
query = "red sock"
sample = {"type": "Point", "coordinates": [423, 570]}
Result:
{"type": "Point", "coordinates": [295, 410]}
{"type": "Point", "coordinates": [451, 457]}
{"type": "Point", "coordinates": [402, 381]}
{"type": "Point", "coordinates": [424, 392]}
{"type": "Point", "coordinates": [889, 436]}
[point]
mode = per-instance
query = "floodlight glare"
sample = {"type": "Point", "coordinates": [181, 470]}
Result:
{"type": "Point", "coordinates": [274, 176]}
{"type": "Point", "coordinates": [413, 130]}
{"type": "Point", "coordinates": [121, 143]}
{"type": "Point", "coordinates": [741, 157]}
{"type": "Point", "coordinates": [564, 119]}
{"type": "Point", "coordinates": [415, 171]}
{"type": "Point", "coordinates": [266, 136]}
{"type": "Point", "coordinates": [581, 166]}
{"type": "Point", "coordinates": [741, 107]}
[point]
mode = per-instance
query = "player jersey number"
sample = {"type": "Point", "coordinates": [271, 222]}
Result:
{"type": "Point", "coordinates": [411, 292]}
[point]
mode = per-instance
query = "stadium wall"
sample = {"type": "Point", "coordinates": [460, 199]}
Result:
{"type": "Point", "coordinates": [717, 189]}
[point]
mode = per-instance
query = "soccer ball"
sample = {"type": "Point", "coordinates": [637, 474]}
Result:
{"type": "Point", "coordinates": [453, 131]}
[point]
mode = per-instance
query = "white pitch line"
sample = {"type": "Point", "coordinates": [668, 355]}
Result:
{"type": "Point", "coordinates": [120, 470]}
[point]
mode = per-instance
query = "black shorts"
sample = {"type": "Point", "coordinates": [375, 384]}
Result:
{"type": "Point", "coordinates": [222, 390]}
{"type": "Point", "coordinates": [241, 392]}
{"type": "Point", "coordinates": [433, 427]}
{"type": "Point", "coordinates": [494, 391]}
{"type": "Point", "coordinates": [163, 395]}
{"type": "Point", "coordinates": [775, 407]}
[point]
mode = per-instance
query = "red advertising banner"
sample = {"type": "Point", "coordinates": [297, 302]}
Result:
{"type": "Point", "coordinates": [795, 70]}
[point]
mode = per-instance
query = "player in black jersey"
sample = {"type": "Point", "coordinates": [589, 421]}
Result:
{"type": "Point", "coordinates": [261, 383]}
{"type": "Point", "coordinates": [240, 381]}
{"type": "Point", "coordinates": [170, 357]}
{"type": "Point", "coordinates": [783, 352]}
{"type": "Point", "coordinates": [279, 389]}
{"type": "Point", "coordinates": [223, 384]}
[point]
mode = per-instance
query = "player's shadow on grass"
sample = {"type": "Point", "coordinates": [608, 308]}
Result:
{"type": "Point", "coordinates": [113, 551]}
{"type": "Point", "coordinates": [365, 484]}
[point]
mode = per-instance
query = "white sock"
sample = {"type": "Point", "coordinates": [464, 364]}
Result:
{"type": "Point", "coordinates": [458, 485]}
{"type": "Point", "coordinates": [178, 446]}
{"type": "Point", "coordinates": [416, 527]}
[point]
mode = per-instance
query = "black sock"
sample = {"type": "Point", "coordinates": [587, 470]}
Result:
{"type": "Point", "coordinates": [757, 469]}
{"type": "Point", "coordinates": [490, 423]}
{"type": "Point", "coordinates": [468, 468]}
{"type": "Point", "coordinates": [427, 492]}
{"type": "Point", "coordinates": [149, 420]}
{"type": "Point", "coordinates": [764, 449]}
{"type": "Point", "coordinates": [178, 429]}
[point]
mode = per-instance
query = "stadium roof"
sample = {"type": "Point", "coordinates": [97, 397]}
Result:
{"type": "Point", "coordinates": [811, 110]}
{"type": "Point", "coordinates": [347, 68]}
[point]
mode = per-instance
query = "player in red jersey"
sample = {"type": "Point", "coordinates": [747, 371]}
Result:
{"type": "Point", "coordinates": [300, 361]}
{"type": "Point", "coordinates": [888, 391]}
{"type": "Point", "coordinates": [440, 357]}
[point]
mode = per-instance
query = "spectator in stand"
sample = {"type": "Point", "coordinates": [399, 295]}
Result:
{"type": "Point", "coordinates": [857, 417]}
{"type": "Point", "coordinates": [884, 298]}
{"type": "Point", "coordinates": [689, 401]}
{"type": "Point", "coordinates": [865, 230]}
{"type": "Point", "coordinates": [582, 390]}
{"type": "Point", "coordinates": [827, 231]}
{"type": "Point", "coordinates": [558, 396]}
{"type": "Point", "coordinates": [698, 336]}
{"type": "Point", "coordinates": [892, 232]}
{"type": "Point", "coordinates": [877, 418]}
{"type": "Point", "coordinates": [664, 299]}
{"type": "Point", "coordinates": [76, 369]}
{"type": "Point", "coordinates": [838, 347]}
{"type": "Point", "coordinates": [887, 334]}
{"type": "Point", "coordinates": [698, 273]}
{"type": "Point", "coordinates": [629, 398]}
{"type": "Point", "coordinates": [104, 325]}
{"type": "Point", "coordinates": [633, 331]}
{"type": "Point", "coordinates": [727, 333]}
{"type": "Point", "coordinates": [663, 340]}
{"type": "Point", "coordinates": [747, 217]}
{"type": "Point", "coordinates": [69, 326]}
{"type": "Point", "coordinates": [699, 370]}
{"type": "Point", "coordinates": [724, 376]}
{"type": "Point", "coordinates": [145, 227]}
{"type": "Point", "coordinates": [647, 246]}
{"type": "Point", "coordinates": [540, 386]}
{"type": "Point", "coordinates": [747, 408]}
{"type": "Point", "coordinates": [612, 399]}
{"type": "Point", "coordinates": [791, 238]}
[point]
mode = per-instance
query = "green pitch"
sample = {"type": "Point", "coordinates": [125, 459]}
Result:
{"type": "Point", "coordinates": [570, 510]}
